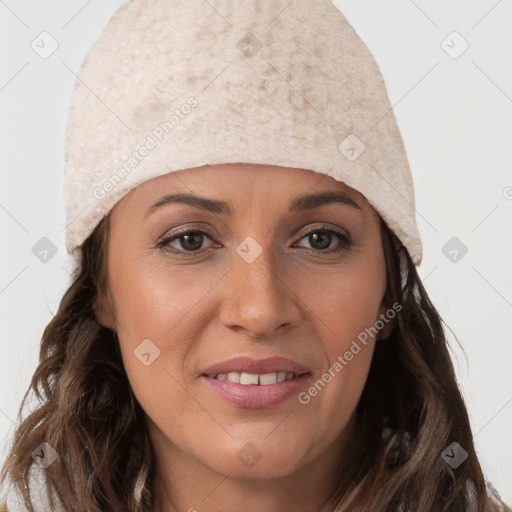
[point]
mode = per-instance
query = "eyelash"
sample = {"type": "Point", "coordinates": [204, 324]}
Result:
{"type": "Point", "coordinates": [164, 242]}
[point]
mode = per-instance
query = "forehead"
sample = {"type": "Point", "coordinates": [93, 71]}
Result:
{"type": "Point", "coordinates": [241, 183]}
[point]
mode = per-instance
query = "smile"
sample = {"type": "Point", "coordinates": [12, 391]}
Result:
{"type": "Point", "coordinates": [254, 379]}
{"type": "Point", "coordinates": [256, 384]}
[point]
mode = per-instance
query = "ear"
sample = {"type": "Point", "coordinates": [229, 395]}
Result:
{"type": "Point", "coordinates": [103, 310]}
{"type": "Point", "coordinates": [387, 315]}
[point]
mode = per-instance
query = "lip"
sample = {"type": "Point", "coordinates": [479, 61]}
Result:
{"type": "Point", "coordinates": [254, 396]}
{"type": "Point", "coordinates": [250, 365]}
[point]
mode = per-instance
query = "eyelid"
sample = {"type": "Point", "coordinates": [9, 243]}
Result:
{"type": "Point", "coordinates": [327, 227]}
{"type": "Point", "coordinates": [165, 239]}
{"type": "Point", "coordinates": [343, 235]}
{"type": "Point", "coordinates": [174, 235]}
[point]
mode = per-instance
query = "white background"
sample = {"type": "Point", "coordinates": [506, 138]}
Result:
{"type": "Point", "coordinates": [455, 115]}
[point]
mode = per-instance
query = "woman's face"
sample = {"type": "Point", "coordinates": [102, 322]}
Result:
{"type": "Point", "coordinates": [235, 272]}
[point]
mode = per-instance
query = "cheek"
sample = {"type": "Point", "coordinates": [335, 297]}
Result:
{"type": "Point", "coordinates": [347, 309]}
{"type": "Point", "coordinates": [346, 301]}
{"type": "Point", "coordinates": [156, 301]}
{"type": "Point", "coordinates": [157, 320]}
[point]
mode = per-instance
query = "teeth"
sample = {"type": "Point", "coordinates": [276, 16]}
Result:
{"type": "Point", "coordinates": [254, 379]}
{"type": "Point", "coordinates": [268, 378]}
{"type": "Point", "coordinates": [234, 377]}
{"type": "Point", "coordinates": [249, 378]}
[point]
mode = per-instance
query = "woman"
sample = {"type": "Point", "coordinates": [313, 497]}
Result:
{"type": "Point", "coordinates": [246, 329]}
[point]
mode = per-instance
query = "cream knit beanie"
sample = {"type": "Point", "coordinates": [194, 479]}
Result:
{"type": "Point", "coordinates": [176, 84]}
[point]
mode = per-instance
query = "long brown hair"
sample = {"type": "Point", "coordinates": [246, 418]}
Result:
{"type": "Point", "coordinates": [410, 411]}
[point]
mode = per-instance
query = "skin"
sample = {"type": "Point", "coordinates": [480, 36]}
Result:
{"type": "Point", "coordinates": [205, 308]}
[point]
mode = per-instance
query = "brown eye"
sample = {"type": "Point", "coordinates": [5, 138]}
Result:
{"type": "Point", "coordinates": [191, 242]}
{"type": "Point", "coordinates": [320, 240]}
{"type": "Point", "coordinates": [187, 241]}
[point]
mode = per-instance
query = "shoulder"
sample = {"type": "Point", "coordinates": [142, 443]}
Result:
{"type": "Point", "coordinates": [11, 499]}
{"type": "Point", "coordinates": [498, 505]}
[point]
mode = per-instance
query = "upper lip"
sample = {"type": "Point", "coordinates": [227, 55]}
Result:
{"type": "Point", "coordinates": [259, 366]}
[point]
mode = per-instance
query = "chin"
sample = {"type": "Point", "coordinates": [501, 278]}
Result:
{"type": "Point", "coordinates": [257, 457]}
{"type": "Point", "coordinates": [275, 467]}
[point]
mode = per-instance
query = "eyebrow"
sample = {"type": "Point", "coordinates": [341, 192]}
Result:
{"type": "Point", "coordinates": [299, 204]}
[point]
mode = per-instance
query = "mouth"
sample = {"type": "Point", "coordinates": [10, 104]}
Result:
{"type": "Point", "coordinates": [255, 379]}
{"type": "Point", "coordinates": [256, 384]}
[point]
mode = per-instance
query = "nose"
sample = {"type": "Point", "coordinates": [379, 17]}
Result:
{"type": "Point", "coordinates": [260, 299]}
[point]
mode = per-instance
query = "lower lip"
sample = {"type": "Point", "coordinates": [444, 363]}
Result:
{"type": "Point", "coordinates": [257, 397]}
